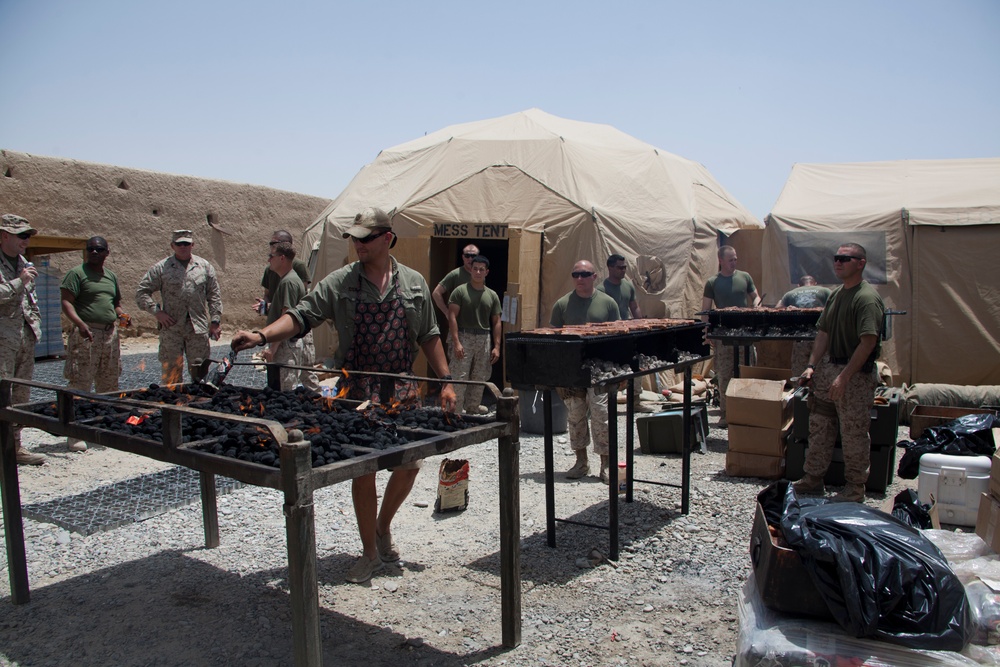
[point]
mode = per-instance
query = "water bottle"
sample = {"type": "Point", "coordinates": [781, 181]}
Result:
{"type": "Point", "coordinates": [622, 482]}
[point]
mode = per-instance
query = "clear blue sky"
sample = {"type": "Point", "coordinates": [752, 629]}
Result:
{"type": "Point", "coordinates": [300, 95]}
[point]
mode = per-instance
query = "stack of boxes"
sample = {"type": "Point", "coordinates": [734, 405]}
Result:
{"type": "Point", "coordinates": [759, 412]}
{"type": "Point", "coordinates": [882, 431]}
{"type": "Point", "coordinates": [988, 520]}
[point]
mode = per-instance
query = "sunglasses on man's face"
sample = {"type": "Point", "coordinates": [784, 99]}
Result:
{"type": "Point", "coordinates": [96, 249]}
{"type": "Point", "coordinates": [843, 259]}
{"type": "Point", "coordinates": [24, 236]}
{"type": "Point", "coordinates": [582, 274]}
{"type": "Point", "coordinates": [468, 255]}
{"type": "Point", "coordinates": [183, 244]}
{"type": "Point", "coordinates": [371, 237]}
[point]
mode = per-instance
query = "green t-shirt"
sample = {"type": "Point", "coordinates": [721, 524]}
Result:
{"type": "Point", "coordinates": [574, 309]}
{"type": "Point", "coordinates": [624, 294]}
{"type": "Point", "coordinates": [849, 315]}
{"type": "Point", "coordinates": [287, 294]}
{"type": "Point", "coordinates": [807, 296]}
{"type": "Point", "coordinates": [729, 291]}
{"type": "Point", "coordinates": [270, 279]}
{"type": "Point", "coordinates": [455, 278]}
{"type": "Point", "coordinates": [475, 307]}
{"type": "Point", "coordinates": [95, 294]}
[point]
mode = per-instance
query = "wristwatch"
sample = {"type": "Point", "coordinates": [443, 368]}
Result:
{"type": "Point", "coordinates": [811, 366]}
{"type": "Point", "coordinates": [446, 377]}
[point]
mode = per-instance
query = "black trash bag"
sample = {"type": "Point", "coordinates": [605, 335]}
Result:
{"type": "Point", "coordinates": [879, 577]}
{"type": "Point", "coordinates": [906, 507]}
{"type": "Point", "coordinates": [971, 435]}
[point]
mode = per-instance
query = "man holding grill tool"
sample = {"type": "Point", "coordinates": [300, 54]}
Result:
{"type": "Point", "coordinates": [92, 302]}
{"type": "Point", "coordinates": [191, 308]}
{"type": "Point", "coordinates": [842, 378]}
{"type": "Point", "coordinates": [585, 304]}
{"type": "Point", "coordinates": [383, 314]}
{"type": "Point", "coordinates": [20, 319]}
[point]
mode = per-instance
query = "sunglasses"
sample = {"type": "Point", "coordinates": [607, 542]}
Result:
{"type": "Point", "coordinates": [24, 236]}
{"type": "Point", "coordinates": [582, 274]}
{"type": "Point", "coordinates": [470, 255]}
{"type": "Point", "coordinates": [272, 256]}
{"type": "Point", "coordinates": [183, 244]}
{"type": "Point", "coordinates": [97, 250]}
{"type": "Point", "coordinates": [843, 259]}
{"type": "Point", "coordinates": [368, 239]}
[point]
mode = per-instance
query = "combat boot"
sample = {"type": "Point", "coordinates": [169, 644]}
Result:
{"type": "Point", "coordinates": [581, 468]}
{"type": "Point", "coordinates": [604, 470]}
{"type": "Point", "coordinates": [810, 485]}
{"type": "Point", "coordinates": [852, 493]}
{"type": "Point", "coordinates": [24, 457]}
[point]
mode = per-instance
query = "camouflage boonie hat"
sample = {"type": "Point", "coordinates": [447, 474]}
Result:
{"type": "Point", "coordinates": [15, 224]}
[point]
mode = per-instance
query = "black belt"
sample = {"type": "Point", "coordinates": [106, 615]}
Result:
{"type": "Point", "coordinates": [475, 332]}
{"type": "Point", "coordinates": [102, 327]}
{"type": "Point", "coordinates": [843, 361]}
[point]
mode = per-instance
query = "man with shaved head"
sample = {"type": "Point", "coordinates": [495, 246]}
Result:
{"type": "Point", "coordinates": [585, 304]}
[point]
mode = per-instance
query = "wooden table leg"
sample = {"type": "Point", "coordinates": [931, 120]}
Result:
{"type": "Point", "coordinates": [510, 521]}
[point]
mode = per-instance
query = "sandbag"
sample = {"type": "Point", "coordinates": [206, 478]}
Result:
{"type": "Point", "coordinates": [879, 577]}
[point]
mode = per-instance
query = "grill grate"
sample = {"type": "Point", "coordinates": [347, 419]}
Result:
{"type": "Point", "coordinates": [128, 501]}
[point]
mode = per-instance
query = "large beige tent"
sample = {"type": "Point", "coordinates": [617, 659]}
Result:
{"type": "Point", "coordinates": [537, 193]}
{"type": "Point", "coordinates": [931, 229]}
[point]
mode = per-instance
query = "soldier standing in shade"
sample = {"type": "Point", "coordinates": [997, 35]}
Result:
{"type": "Point", "coordinates": [91, 301]}
{"type": "Point", "coordinates": [191, 308]}
{"type": "Point", "coordinates": [20, 320]}
{"type": "Point", "coordinates": [473, 316]}
{"type": "Point", "coordinates": [842, 378]}
{"type": "Point", "coordinates": [457, 276]}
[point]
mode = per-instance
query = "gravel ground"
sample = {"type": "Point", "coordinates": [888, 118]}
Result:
{"type": "Point", "coordinates": [149, 593]}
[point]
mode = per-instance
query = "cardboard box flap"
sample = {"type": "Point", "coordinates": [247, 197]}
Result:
{"type": "Point", "coordinates": [756, 389]}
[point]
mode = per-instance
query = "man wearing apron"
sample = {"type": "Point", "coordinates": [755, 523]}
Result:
{"type": "Point", "coordinates": [383, 313]}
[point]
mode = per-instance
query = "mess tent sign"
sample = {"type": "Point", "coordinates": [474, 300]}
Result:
{"type": "Point", "coordinates": [468, 230]}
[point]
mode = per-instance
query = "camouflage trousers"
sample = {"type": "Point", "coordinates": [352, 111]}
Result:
{"type": "Point", "coordinates": [93, 365]}
{"type": "Point", "coordinates": [474, 366]}
{"type": "Point", "coordinates": [309, 379]}
{"type": "Point", "coordinates": [177, 342]}
{"type": "Point", "coordinates": [723, 363]}
{"type": "Point", "coordinates": [289, 352]}
{"type": "Point", "coordinates": [801, 349]}
{"type": "Point", "coordinates": [582, 404]}
{"type": "Point", "coordinates": [17, 360]}
{"type": "Point", "coordinates": [850, 416]}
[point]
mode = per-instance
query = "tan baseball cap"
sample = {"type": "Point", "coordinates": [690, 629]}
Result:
{"type": "Point", "coordinates": [370, 221]}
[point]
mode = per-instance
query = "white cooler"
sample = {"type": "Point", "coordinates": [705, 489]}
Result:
{"type": "Point", "coordinates": [956, 482]}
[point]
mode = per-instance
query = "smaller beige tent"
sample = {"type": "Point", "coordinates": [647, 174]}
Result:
{"type": "Point", "coordinates": [931, 229]}
{"type": "Point", "coordinates": [538, 192]}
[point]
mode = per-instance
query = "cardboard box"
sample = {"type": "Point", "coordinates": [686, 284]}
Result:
{"type": "Point", "coordinates": [757, 440]}
{"type": "Point", "coordinates": [924, 416]}
{"type": "Point", "coordinates": [739, 464]}
{"type": "Point", "coordinates": [988, 521]}
{"type": "Point", "coordinates": [765, 373]}
{"type": "Point", "coordinates": [995, 468]}
{"type": "Point", "coordinates": [782, 580]}
{"type": "Point", "coordinates": [753, 402]}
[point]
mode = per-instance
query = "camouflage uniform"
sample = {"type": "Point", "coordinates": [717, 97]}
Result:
{"type": "Point", "coordinates": [20, 330]}
{"type": "Point", "coordinates": [93, 364]}
{"type": "Point", "coordinates": [581, 404]}
{"type": "Point", "coordinates": [191, 295]}
{"type": "Point", "coordinates": [850, 417]}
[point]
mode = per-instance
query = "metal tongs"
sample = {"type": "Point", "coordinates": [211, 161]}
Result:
{"type": "Point", "coordinates": [222, 370]}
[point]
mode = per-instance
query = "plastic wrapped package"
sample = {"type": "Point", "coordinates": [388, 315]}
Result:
{"type": "Point", "coordinates": [879, 577]}
{"type": "Point", "coordinates": [985, 567]}
{"type": "Point", "coordinates": [958, 547]}
{"type": "Point", "coordinates": [971, 435]}
{"type": "Point", "coordinates": [772, 639]}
